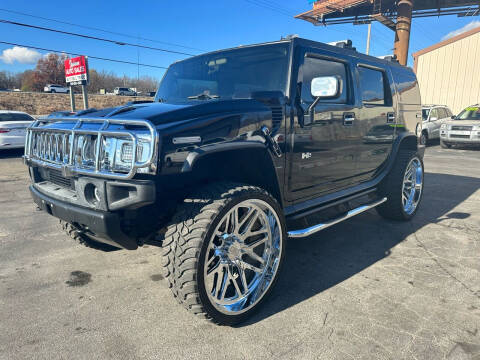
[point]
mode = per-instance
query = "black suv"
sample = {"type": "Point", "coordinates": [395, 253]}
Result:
{"type": "Point", "coordinates": [242, 149]}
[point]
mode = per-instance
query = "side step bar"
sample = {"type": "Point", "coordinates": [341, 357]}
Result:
{"type": "Point", "coordinates": [316, 228]}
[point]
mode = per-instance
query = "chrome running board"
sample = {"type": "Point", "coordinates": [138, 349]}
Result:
{"type": "Point", "coordinates": [316, 228]}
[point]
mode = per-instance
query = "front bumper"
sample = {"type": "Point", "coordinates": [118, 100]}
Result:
{"type": "Point", "coordinates": [104, 225]}
{"type": "Point", "coordinates": [460, 137]}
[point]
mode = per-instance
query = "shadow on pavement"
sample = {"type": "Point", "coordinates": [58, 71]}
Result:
{"type": "Point", "coordinates": [315, 264]}
{"type": "Point", "coordinates": [11, 153]}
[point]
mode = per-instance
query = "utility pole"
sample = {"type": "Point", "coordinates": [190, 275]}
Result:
{"type": "Point", "coordinates": [402, 33]}
{"type": "Point", "coordinates": [369, 37]}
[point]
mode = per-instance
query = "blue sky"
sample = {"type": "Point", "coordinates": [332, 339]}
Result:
{"type": "Point", "coordinates": [204, 25]}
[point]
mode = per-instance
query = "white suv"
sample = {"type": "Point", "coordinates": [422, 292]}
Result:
{"type": "Point", "coordinates": [52, 88]}
{"type": "Point", "coordinates": [433, 117]}
{"type": "Point", "coordinates": [463, 129]}
{"type": "Point", "coordinates": [124, 91]}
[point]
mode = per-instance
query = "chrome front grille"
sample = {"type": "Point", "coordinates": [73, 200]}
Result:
{"type": "Point", "coordinates": [51, 146]}
{"type": "Point", "coordinates": [93, 146]}
{"type": "Point", "coordinates": [461, 128]}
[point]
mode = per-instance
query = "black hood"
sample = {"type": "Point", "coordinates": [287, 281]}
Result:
{"type": "Point", "coordinates": [161, 113]}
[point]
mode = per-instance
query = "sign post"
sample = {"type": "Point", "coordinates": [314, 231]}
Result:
{"type": "Point", "coordinates": [85, 97]}
{"type": "Point", "coordinates": [72, 99]}
{"type": "Point", "coordinates": [76, 73]}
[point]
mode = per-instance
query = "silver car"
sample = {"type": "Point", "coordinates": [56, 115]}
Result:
{"type": "Point", "coordinates": [12, 129]}
{"type": "Point", "coordinates": [463, 129]}
{"type": "Point", "coordinates": [433, 118]}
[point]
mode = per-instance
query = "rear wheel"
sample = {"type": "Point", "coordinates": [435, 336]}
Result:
{"type": "Point", "coordinates": [403, 187]}
{"type": "Point", "coordinates": [223, 251]}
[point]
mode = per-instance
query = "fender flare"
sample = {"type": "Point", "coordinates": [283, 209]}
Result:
{"type": "Point", "coordinates": [207, 150]}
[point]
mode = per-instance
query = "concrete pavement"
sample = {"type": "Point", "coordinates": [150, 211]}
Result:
{"type": "Point", "coordinates": [364, 289]}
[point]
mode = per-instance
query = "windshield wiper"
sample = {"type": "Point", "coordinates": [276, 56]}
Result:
{"type": "Point", "coordinates": [203, 96]}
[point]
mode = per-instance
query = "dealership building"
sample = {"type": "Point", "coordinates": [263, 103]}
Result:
{"type": "Point", "coordinates": [449, 72]}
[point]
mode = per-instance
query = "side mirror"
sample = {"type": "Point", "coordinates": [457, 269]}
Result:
{"type": "Point", "coordinates": [453, 117]}
{"type": "Point", "coordinates": [433, 119]}
{"type": "Point", "coordinates": [325, 87]}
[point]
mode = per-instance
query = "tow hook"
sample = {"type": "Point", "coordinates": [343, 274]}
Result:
{"type": "Point", "coordinates": [271, 142]}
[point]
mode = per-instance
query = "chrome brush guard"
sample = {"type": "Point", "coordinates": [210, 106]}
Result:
{"type": "Point", "coordinates": [92, 146]}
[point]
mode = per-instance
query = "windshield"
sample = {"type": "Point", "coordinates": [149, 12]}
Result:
{"type": "Point", "coordinates": [470, 113]}
{"type": "Point", "coordinates": [425, 113]}
{"type": "Point", "coordinates": [231, 74]}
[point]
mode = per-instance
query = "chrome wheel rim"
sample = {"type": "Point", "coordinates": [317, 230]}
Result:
{"type": "Point", "coordinates": [243, 256]}
{"type": "Point", "coordinates": [412, 186]}
{"type": "Point", "coordinates": [423, 139]}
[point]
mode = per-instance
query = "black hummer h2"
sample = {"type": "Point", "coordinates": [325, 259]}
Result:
{"type": "Point", "coordinates": [241, 149]}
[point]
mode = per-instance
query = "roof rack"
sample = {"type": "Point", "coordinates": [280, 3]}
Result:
{"type": "Point", "coordinates": [344, 44]}
{"type": "Point", "coordinates": [432, 105]}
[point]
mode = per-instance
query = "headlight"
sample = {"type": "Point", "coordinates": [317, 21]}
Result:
{"type": "Point", "coordinates": [444, 126]}
{"type": "Point", "coordinates": [117, 154]}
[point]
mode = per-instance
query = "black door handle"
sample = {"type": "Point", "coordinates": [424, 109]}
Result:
{"type": "Point", "coordinates": [348, 118]}
{"type": "Point", "coordinates": [390, 117]}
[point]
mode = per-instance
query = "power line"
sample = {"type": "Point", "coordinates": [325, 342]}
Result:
{"type": "Point", "coordinates": [99, 29]}
{"type": "Point", "coordinates": [270, 7]}
{"type": "Point", "coordinates": [91, 37]}
{"type": "Point", "coordinates": [89, 56]}
{"type": "Point", "coordinates": [275, 3]}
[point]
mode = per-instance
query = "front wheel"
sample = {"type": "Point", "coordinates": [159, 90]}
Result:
{"type": "Point", "coordinates": [424, 138]}
{"type": "Point", "coordinates": [223, 251]}
{"type": "Point", "coordinates": [444, 145]}
{"type": "Point", "coordinates": [403, 187]}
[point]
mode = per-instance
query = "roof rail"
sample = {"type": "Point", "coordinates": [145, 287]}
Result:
{"type": "Point", "coordinates": [344, 44]}
{"type": "Point", "coordinates": [392, 58]}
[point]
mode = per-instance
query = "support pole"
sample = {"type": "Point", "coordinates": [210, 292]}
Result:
{"type": "Point", "coordinates": [402, 34]}
{"type": "Point", "coordinates": [368, 38]}
{"type": "Point", "coordinates": [85, 97]}
{"type": "Point", "coordinates": [72, 99]}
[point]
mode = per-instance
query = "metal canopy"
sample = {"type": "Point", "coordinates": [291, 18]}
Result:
{"type": "Point", "coordinates": [327, 12]}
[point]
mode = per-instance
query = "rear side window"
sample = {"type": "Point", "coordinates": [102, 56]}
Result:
{"type": "Point", "coordinates": [15, 117]}
{"type": "Point", "coordinates": [373, 86]}
{"type": "Point", "coordinates": [6, 117]}
{"type": "Point", "coordinates": [315, 67]}
{"type": "Point", "coordinates": [22, 117]}
{"type": "Point", "coordinates": [425, 113]}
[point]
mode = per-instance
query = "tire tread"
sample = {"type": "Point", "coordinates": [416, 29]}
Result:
{"type": "Point", "coordinates": [184, 240]}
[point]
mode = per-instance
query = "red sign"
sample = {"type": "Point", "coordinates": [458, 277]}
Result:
{"type": "Point", "coordinates": [76, 69]}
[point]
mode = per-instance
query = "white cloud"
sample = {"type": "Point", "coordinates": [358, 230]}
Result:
{"type": "Point", "coordinates": [466, 28]}
{"type": "Point", "coordinates": [21, 55]}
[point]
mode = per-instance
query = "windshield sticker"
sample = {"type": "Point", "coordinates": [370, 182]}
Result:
{"type": "Point", "coordinates": [473, 108]}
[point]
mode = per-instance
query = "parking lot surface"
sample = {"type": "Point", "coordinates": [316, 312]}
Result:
{"type": "Point", "coordinates": [367, 288]}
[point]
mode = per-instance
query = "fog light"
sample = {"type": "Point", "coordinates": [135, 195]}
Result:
{"type": "Point", "coordinates": [92, 194]}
